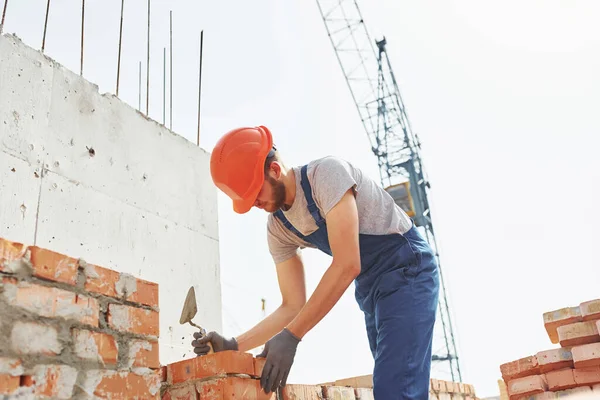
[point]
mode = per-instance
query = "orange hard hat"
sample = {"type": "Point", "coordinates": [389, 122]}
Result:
{"type": "Point", "coordinates": [237, 164]}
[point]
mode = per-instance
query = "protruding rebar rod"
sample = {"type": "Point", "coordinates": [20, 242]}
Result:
{"type": "Point", "coordinates": [164, 84]}
{"type": "Point", "coordinates": [82, 29]}
{"type": "Point", "coordinates": [171, 70]}
{"type": "Point", "coordinates": [148, 64]}
{"type": "Point", "coordinates": [140, 88]}
{"type": "Point", "coordinates": [3, 16]}
{"type": "Point", "coordinates": [200, 84]}
{"type": "Point", "coordinates": [120, 40]}
{"type": "Point", "coordinates": [45, 25]}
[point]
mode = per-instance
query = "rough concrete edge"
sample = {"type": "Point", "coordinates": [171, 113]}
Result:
{"type": "Point", "coordinates": [16, 40]}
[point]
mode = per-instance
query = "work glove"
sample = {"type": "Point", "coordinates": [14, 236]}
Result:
{"type": "Point", "coordinates": [279, 351]}
{"type": "Point", "coordinates": [219, 343]}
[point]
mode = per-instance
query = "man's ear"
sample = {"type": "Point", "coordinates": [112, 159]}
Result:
{"type": "Point", "coordinates": [275, 169]}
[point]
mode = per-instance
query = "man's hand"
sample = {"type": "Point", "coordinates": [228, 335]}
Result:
{"type": "Point", "coordinates": [219, 343]}
{"type": "Point", "coordinates": [279, 351]}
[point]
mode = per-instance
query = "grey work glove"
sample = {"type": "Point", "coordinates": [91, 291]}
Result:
{"type": "Point", "coordinates": [219, 343]}
{"type": "Point", "coordinates": [279, 351]}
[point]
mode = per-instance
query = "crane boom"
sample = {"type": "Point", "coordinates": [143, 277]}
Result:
{"type": "Point", "coordinates": [374, 88]}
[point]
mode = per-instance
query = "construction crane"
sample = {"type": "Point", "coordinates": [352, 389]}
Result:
{"type": "Point", "coordinates": [371, 81]}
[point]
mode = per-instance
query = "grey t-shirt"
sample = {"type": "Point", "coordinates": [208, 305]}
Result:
{"type": "Point", "coordinates": [330, 178]}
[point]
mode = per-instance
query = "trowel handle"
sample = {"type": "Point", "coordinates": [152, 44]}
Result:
{"type": "Point", "coordinates": [203, 333]}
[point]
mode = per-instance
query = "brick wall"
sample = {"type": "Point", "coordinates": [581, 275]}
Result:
{"type": "Point", "coordinates": [75, 330]}
{"type": "Point", "coordinates": [235, 375]}
{"type": "Point", "coordinates": [571, 367]}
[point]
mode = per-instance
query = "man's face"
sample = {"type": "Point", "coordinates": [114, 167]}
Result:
{"type": "Point", "coordinates": [272, 195]}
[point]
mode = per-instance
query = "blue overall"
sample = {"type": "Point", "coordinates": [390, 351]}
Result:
{"type": "Point", "coordinates": [397, 290]}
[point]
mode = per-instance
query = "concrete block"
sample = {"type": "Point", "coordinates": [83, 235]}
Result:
{"type": "Point", "coordinates": [19, 190]}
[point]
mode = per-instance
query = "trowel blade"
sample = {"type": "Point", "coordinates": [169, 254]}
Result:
{"type": "Point", "coordinates": [189, 307]}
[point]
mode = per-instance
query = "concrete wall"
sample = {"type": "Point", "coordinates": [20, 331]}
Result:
{"type": "Point", "coordinates": [88, 176]}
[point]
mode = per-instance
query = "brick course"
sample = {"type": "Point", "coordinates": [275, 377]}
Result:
{"type": "Point", "coordinates": [64, 337]}
{"type": "Point", "coordinates": [573, 367]}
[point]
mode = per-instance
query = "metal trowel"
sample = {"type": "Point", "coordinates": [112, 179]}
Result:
{"type": "Point", "coordinates": [189, 311]}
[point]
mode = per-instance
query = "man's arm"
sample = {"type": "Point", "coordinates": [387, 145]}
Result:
{"type": "Point", "coordinates": [290, 275]}
{"type": "Point", "coordinates": [342, 227]}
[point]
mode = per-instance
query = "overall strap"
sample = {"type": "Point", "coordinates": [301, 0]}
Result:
{"type": "Point", "coordinates": [312, 207]}
{"type": "Point", "coordinates": [288, 224]}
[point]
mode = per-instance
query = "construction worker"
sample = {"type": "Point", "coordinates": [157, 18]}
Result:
{"type": "Point", "coordinates": [331, 205]}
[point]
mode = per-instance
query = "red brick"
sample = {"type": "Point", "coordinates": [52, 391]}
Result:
{"type": "Point", "coordinates": [145, 293]}
{"type": "Point", "coordinates": [435, 385]}
{"type": "Point", "coordinates": [304, 392]}
{"type": "Point", "coordinates": [259, 364]}
{"type": "Point", "coordinates": [10, 251]}
{"type": "Point", "coordinates": [56, 381]}
{"type": "Point", "coordinates": [143, 353]}
{"type": "Point", "coordinates": [224, 362]}
{"type": "Point", "coordinates": [527, 386]}
{"type": "Point", "coordinates": [519, 368]}
{"type": "Point", "coordinates": [53, 266]}
{"type": "Point", "coordinates": [117, 385]}
{"type": "Point", "coordinates": [9, 383]}
{"type": "Point", "coordinates": [551, 360]}
{"type": "Point", "coordinates": [133, 320]}
{"type": "Point", "coordinates": [95, 346]}
{"type": "Point", "coordinates": [587, 376]}
{"type": "Point", "coordinates": [365, 394]}
{"type": "Point", "coordinates": [232, 388]}
{"type": "Point", "coordinates": [578, 333]}
{"type": "Point", "coordinates": [587, 355]}
{"type": "Point", "coordinates": [33, 338]}
{"type": "Point", "coordinates": [590, 310]}
{"type": "Point", "coordinates": [187, 392]}
{"type": "Point", "coordinates": [52, 302]}
{"type": "Point", "coordinates": [338, 392]}
{"type": "Point", "coordinates": [101, 280]}
{"type": "Point", "coordinates": [560, 380]}
{"type": "Point", "coordinates": [564, 316]}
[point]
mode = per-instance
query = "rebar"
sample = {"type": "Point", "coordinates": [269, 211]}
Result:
{"type": "Point", "coordinates": [82, 27]}
{"type": "Point", "coordinates": [171, 70]}
{"type": "Point", "coordinates": [200, 84]}
{"type": "Point", "coordinates": [3, 16]}
{"type": "Point", "coordinates": [164, 84]}
{"type": "Point", "coordinates": [45, 25]}
{"type": "Point", "coordinates": [148, 64]}
{"type": "Point", "coordinates": [120, 40]}
{"type": "Point", "coordinates": [140, 88]}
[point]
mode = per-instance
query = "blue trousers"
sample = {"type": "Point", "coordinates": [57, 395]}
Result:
{"type": "Point", "coordinates": [400, 313]}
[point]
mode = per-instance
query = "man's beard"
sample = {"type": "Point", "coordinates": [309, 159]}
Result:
{"type": "Point", "coordinates": [278, 194]}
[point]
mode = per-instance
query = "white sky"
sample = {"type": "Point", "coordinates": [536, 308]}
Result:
{"type": "Point", "coordinates": [504, 97]}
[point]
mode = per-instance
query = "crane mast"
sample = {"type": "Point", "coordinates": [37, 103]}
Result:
{"type": "Point", "coordinates": [373, 86]}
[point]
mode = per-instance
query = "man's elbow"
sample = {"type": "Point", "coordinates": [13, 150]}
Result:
{"type": "Point", "coordinates": [293, 309]}
{"type": "Point", "coordinates": [350, 270]}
